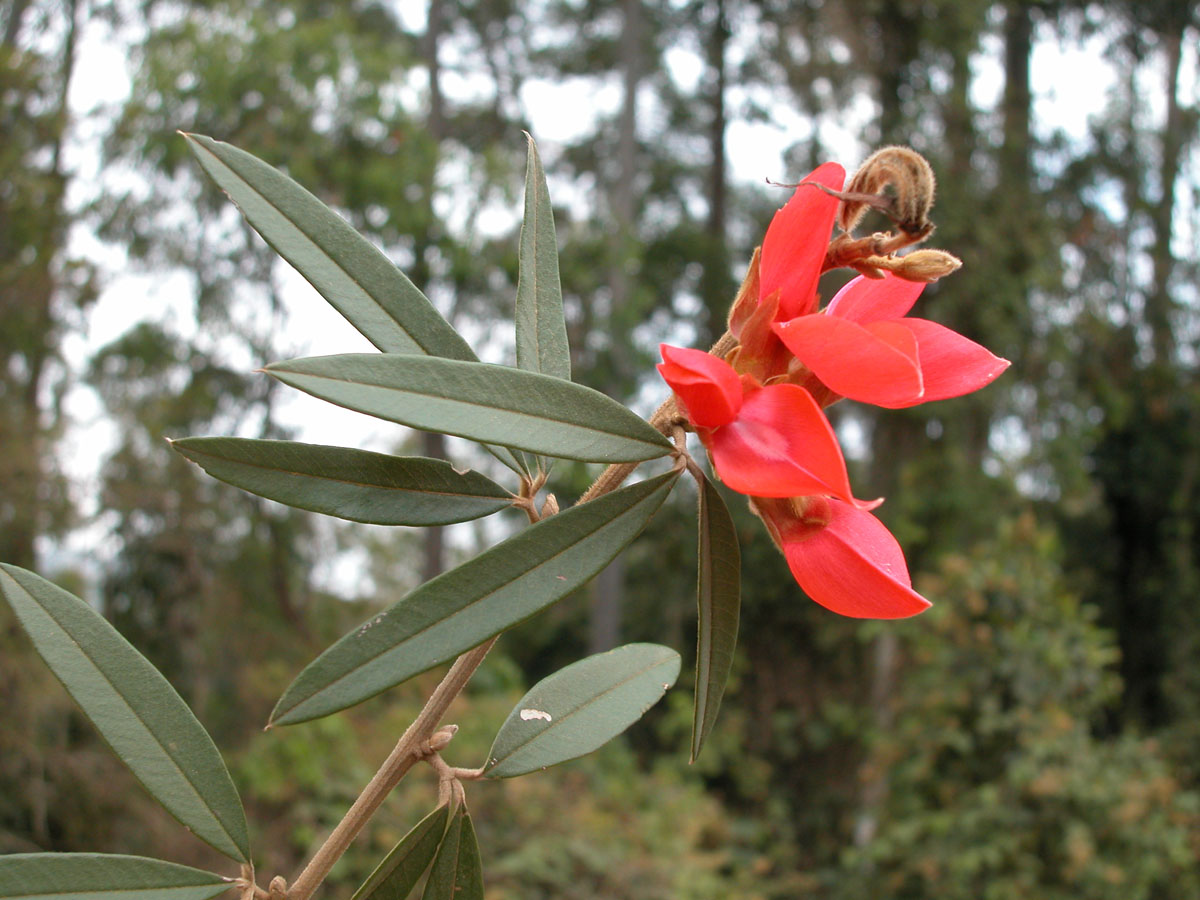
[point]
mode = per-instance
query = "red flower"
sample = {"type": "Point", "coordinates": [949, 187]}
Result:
{"type": "Point", "coordinates": [782, 283]}
{"type": "Point", "coordinates": [769, 441]}
{"type": "Point", "coordinates": [793, 250]}
{"type": "Point", "coordinates": [864, 347]}
{"type": "Point", "coordinates": [843, 557]}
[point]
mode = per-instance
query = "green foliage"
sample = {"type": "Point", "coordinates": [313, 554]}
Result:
{"type": "Point", "coordinates": [498, 404]}
{"type": "Point", "coordinates": [581, 707]}
{"type": "Point", "coordinates": [349, 271]}
{"type": "Point", "coordinates": [83, 876]}
{"type": "Point", "coordinates": [134, 708]}
{"type": "Point", "coordinates": [719, 600]}
{"type": "Point", "coordinates": [541, 327]}
{"type": "Point", "coordinates": [352, 484]}
{"type": "Point", "coordinates": [1010, 760]}
{"type": "Point", "coordinates": [398, 873]}
{"type": "Point", "coordinates": [464, 607]}
{"type": "Point", "coordinates": [457, 873]}
{"type": "Point", "coordinates": [997, 785]}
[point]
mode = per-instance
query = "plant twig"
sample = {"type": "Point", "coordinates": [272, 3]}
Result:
{"type": "Point", "coordinates": [410, 749]}
{"type": "Point", "coordinates": [610, 479]}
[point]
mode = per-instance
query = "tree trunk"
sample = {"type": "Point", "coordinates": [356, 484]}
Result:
{"type": "Point", "coordinates": [604, 621]}
{"type": "Point", "coordinates": [29, 299]}
{"type": "Point", "coordinates": [1159, 304]}
{"type": "Point", "coordinates": [717, 286]}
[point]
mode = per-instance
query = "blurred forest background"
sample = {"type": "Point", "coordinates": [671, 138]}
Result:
{"type": "Point", "coordinates": [1033, 736]}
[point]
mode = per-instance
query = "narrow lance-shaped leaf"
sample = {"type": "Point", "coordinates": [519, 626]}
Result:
{"type": "Point", "coordinates": [97, 876]}
{"type": "Point", "coordinates": [347, 269]}
{"type": "Point", "coordinates": [581, 707]}
{"type": "Point", "coordinates": [494, 404]}
{"type": "Point", "coordinates": [133, 707]}
{"type": "Point", "coordinates": [718, 594]}
{"type": "Point", "coordinates": [467, 605]}
{"type": "Point", "coordinates": [398, 873]}
{"type": "Point", "coordinates": [457, 872]}
{"type": "Point", "coordinates": [541, 327]}
{"type": "Point", "coordinates": [352, 484]}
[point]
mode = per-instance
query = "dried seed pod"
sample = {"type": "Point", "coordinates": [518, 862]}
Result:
{"type": "Point", "coordinates": [912, 182]}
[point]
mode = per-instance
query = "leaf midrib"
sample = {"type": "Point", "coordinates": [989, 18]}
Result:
{"type": "Point", "coordinates": [466, 403]}
{"type": "Point", "coordinates": [364, 484]}
{"type": "Point", "coordinates": [368, 661]}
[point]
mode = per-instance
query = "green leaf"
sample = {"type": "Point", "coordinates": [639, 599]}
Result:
{"type": "Point", "coordinates": [402, 868]}
{"type": "Point", "coordinates": [347, 269]}
{"type": "Point", "coordinates": [719, 597]}
{"type": "Point", "coordinates": [457, 872]}
{"type": "Point", "coordinates": [96, 876]}
{"type": "Point", "coordinates": [541, 327]}
{"type": "Point", "coordinates": [581, 707]}
{"type": "Point", "coordinates": [133, 707]}
{"type": "Point", "coordinates": [465, 606]}
{"type": "Point", "coordinates": [493, 404]}
{"type": "Point", "coordinates": [352, 484]}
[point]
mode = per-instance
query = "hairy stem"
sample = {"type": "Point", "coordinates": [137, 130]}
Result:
{"type": "Point", "coordinates": [409, 750]}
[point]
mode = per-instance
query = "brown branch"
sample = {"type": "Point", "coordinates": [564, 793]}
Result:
{"type": "Point", "coordinates": [410, 749]}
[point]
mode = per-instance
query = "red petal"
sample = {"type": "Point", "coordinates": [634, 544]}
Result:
{"type": "Point", "coordinates": [869, 299]}
{"type": "Point", "coordinates": [854, 567]}
{"type": "Point", "coordinates": [876, 363]}
{"type": "Point", "coordinates": [796, 241]}
{"type": "Point", "coordinates": [951, 365]}
{"type": "Point", "coordinates": [708, 388]}
{"type": "Point", "coordinates": [780, 445]}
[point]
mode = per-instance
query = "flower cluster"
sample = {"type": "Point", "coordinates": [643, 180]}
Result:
{"type": "Point", "coordinates": [758, 410]}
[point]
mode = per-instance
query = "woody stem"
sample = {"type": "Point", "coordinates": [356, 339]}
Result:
{"type": "Point", "coordinates": [405, 755]}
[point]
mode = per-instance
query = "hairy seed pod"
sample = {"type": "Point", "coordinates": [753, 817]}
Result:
{"type": "Point", "coordinates": [912, 183]}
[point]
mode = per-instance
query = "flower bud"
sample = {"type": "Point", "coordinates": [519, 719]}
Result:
{"type": "Point", "coordinates": [920, 265]}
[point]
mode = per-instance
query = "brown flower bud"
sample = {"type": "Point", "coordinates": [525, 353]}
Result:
{"type": "Point", "coordinates": [920, 265]}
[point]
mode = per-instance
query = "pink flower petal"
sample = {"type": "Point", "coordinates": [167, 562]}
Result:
{"type": "Point", "coordinates": [796, 241]}
{"type": "Point", "coordinates": [876, 363]}
{"type": "Point", "coordinates": [870, 299]}
{"type": "Point", "coordinates": [780, 445]}
{"type": "Point", "coordinates": [951, 365]}
{"type": "Point", "coordinates": [708, 388]}
{"type": "Point", "coordinates": [854, 567]}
